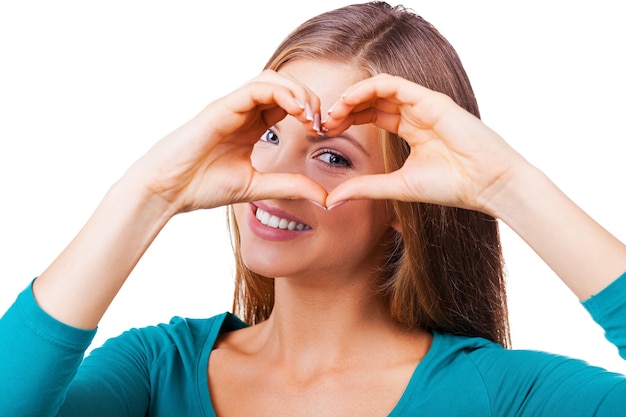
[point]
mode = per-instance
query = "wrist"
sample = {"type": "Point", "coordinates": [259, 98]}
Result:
{"type": "Point", "coordinates": [510, 196]}
{"type": "Point", "coordinates": [138, 189]}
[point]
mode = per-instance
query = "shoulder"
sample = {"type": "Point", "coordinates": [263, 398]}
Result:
{"type": "Point", "coordinates": [508, 380]}
{"type": "Point", "coordinates": [158, 365]}
{"type": "Point", "coordinates": [191, 333]}
{"type": "Point", "coordinates": [498, 367]}
{"type": "Point", "coordinates": [184, 338]}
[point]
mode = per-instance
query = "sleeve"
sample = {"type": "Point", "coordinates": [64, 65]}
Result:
{"type": "Point", "coordinates": [608, 309]}
{"type": "Point", "coordinates": [531, 383]}
{"type": "Point", "coordinates": [44, 374]}
{"type": "Point", "coordinates": [114, 380]}
{"type": "Point", "coordinates": [39, 357]}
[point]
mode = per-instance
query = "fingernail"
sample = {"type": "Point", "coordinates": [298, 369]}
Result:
{"type": "Point", "coordinates": [317, 126]}
{"type": "Point", "coordinates": [340, 203]}
{"type": "Point", "coordinates": [308, 113]}
{"type": "Point", "coordinates": [315, 203]}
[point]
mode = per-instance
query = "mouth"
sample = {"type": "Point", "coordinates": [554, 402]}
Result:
{"type": "Point", "coordinates": [276, 222]}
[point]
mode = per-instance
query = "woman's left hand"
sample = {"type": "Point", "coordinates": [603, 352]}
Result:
{"type": "Point", "coordinates": [455, 159]}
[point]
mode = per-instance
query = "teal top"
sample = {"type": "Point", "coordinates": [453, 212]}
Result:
{"type": "Point", "coordinates": [162, 370]}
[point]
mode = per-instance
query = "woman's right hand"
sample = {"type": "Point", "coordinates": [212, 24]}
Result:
{"type": "Point", "coordinates": [206, 162]}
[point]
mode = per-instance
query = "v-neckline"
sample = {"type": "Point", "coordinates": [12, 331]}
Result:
{"type": "Point", "coordinates": [234, 323]}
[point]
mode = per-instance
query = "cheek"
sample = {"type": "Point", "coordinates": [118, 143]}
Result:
{"type": "Point", "coordinates": [240, 213]}
{"type": "Point", "coordinates": [257, 158]}
{"type": "Point", "coordinates": [364, 220]}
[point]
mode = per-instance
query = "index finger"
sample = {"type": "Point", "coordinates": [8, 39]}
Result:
{"type": "Point", "coordinates": [387, 95]}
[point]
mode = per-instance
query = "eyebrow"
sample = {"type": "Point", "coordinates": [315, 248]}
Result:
{"type": "Point", "coordinates": [344, 136]}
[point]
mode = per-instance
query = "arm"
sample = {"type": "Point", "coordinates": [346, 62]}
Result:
{"type": "Point", "coordinates": [581, 252]}
{"type": "Point", "coordinates": [81, 283]}
{"type": "Point", "coordinates": [456, 160]}
{"type": "Point", "coordinates": [203, 164]}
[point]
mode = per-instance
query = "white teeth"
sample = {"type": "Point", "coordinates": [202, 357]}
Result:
{"type": "Point", "coordinates": [273, 222]}
{"type": "Point", "coordinates": [278, 223]}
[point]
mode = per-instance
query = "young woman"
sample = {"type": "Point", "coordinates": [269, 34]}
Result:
{"type": "Point", "coordinates": [363, 190]}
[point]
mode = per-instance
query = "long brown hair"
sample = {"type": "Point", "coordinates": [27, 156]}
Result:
{"type": "Point", "coordinates": [445, 270]}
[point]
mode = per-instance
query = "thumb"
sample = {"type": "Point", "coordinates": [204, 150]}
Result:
{"type": "Point", "coordinates": [265, 186]}
{"type": "Point", "coordinates": [370, 187]}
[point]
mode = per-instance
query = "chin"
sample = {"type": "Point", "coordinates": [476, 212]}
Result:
{"type": "Point", "coordinates": [265, 266]}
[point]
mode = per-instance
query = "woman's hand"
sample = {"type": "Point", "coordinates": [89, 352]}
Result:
{"type": "Point", "coordinates": [454, 160]}
{"type": "Point", "coordinates": [206, 162]}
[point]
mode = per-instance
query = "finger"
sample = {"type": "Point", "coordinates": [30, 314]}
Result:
{"type": "Point", "coordinates": [302, 104]}
{"type": "Point", "coordinates": [254, 106]}
{"type": "Point", "coordinates": [285, 186]}
{"type": "Point", "coordinates": [306, 100]}
{"type": "Point", "coordinates": [382, 119]}
{"type": "Point", "coordinates": [390, 95]}
{"type": "Point", "coordinates": [273, 115]}
{"type": "Point", "coordinates": [384, 88]}
{"type": "Point", "coordinates": [272, 94]}
{"type": "Point", "coordinates": [371, 187]}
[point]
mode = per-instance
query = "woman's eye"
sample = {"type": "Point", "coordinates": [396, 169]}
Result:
{"type": "Point", "coordinates": [270, 137]}
{"type": "Point", "coordinates": [334, 159]}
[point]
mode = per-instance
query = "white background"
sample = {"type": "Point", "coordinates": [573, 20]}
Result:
{"type": "Point", "coordinates": [86, 87]}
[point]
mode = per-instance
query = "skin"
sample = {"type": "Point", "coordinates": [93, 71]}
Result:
{"type": "Point", "coordinates": [330, 339]}
{"type": "Point", "coordinates": [482, 172]}
{"type": "Point", "coordinates": [330, 243]}
{"type": "Point", "coordinates": [319, 340]}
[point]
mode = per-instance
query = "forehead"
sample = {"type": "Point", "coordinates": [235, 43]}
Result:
{"type": "Point", "coordinates": [327, 79]}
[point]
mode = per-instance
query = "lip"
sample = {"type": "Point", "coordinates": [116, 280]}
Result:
{"type": "Point", "coordinates": [270, 233]}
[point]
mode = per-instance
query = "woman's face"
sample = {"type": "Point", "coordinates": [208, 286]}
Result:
{"type": "Point", "coordinates": [283, 238]}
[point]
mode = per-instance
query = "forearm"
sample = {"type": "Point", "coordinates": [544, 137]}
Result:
{"type": "Point", "coordinates": [80, 284]}
{"type": "Point", "coordinates": [581, 252]}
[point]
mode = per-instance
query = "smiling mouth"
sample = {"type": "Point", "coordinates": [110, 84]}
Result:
{"type": "Point", "coordinates": [277, 222]}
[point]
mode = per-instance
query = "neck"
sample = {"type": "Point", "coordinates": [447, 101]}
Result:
{"type": "Point", "coordinates": [319, 324]}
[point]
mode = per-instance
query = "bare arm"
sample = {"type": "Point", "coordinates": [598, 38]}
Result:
{"type": "Point", "coordinates": [81, 283]}
{"type": "Point", "coordinates": [203, 164]}
{"type": "Point", "coordinates": [580, 251]}
{"type": "Point", "coordinates": [457, 160]}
